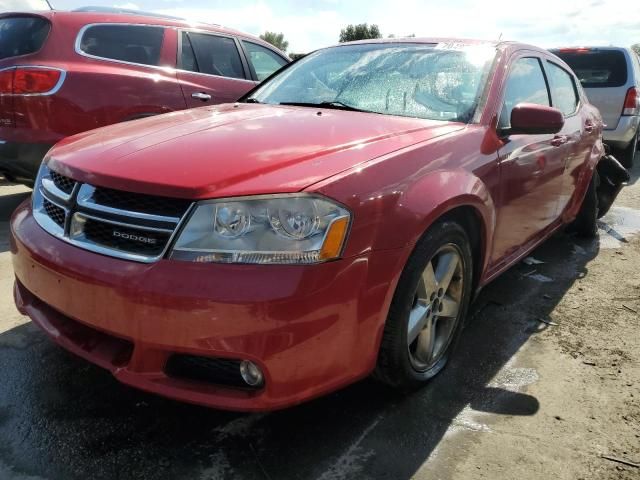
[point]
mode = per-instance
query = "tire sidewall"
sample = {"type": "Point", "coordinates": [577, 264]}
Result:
{"type": "Point", "coordinates": [439, 235]}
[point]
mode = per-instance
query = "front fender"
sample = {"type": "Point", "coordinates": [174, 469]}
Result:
{"type": "Point", "coordinates": [443, 191]}
{"type": "Point", "coordinates": [398, 215]}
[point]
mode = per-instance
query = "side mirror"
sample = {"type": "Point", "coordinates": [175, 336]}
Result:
{"type": "Point", "coordinates": [532, 119]}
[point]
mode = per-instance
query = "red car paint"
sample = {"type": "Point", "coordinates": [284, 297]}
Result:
{"type": "Point", "coordinates": [315, 328]}
{"type": "Point", "coordinates": [98, 91]}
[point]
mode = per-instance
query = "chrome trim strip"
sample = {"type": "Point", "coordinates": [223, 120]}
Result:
{"type": "Point", "coordinates": [43, 219]}
{"type": "Point", "coordinates": [110, 252]}
{"type": "Point", "coordinates": [50, 188]}
{"type": "Point", "coordinates": [54, 90]}
{"type": "Point", "coordinates": [122, 224]}
{"type": "Point", "coordinates": [84, 200]}
{"type": "Point", "coordinates": [81, 52]}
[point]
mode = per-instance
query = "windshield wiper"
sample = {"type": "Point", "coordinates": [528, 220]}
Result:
{"type": "Point", "coordinates": [335, 104]}
{"type": "Point", "coordinates": [251, 100]}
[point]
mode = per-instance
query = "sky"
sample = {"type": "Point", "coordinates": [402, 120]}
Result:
{"type": "Point", "coordinates": [309, 24]}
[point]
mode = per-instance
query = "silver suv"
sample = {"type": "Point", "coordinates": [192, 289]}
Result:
{"type": "Point", "coordinates": [611, 78]}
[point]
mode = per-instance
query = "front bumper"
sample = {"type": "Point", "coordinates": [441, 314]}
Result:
{"type": "Point", "coordinates": [623, 133]}
{"type": "Point", "coordinates": [312, 329]}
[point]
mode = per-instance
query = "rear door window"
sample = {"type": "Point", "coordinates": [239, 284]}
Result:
{"type": "Point", "coordinates": [139, 44]}
{"type": "Point", "coordinates": [22, 35]}
{"type": "Point", "coordinates": [211, 54]}
{"type": "Point", "coordinates": [563, 91]}
{"type": "Point", "coordinates": [263, 60]}
{"type": "Point", "coordinates": [597, 68]}
{"type": "Point", "coordinates": [525, 84]}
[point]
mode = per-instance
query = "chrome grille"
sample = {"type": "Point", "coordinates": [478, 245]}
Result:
{"type": "Point", "coordinates": [112, 222]}
{"type": "Point", "coordinates": [140, 203]}
{"type": "Point", "coordinates": [63, 183]}
{"type": "Point", "coordinates": [56, 213]}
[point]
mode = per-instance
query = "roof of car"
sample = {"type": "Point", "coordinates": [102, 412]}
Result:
{"type": "Point", "coordinates": [115, 15]}
{"type": "Point", "coordinates": [449, 41]}
{"type": "Point", "coordinates": [588, 47]}
{"type": "Point", "coordinates": [427, 40]}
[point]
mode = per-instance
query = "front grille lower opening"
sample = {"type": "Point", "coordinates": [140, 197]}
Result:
{"type": "Point", "coordinates": [218, 371]}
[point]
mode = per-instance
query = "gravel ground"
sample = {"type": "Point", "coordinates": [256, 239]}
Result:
{"type": "Point", "coordinates": [546, 381]}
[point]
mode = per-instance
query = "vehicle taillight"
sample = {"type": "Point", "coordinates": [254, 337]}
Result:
{"type": "Point", "coordinates": [6, 82]}
{"type": "Point", "coordinates": [631, 102]}
{"type": "Point", "coordinates": [29, 80]}
{"type": "Point", "coordinates": [575, 50]}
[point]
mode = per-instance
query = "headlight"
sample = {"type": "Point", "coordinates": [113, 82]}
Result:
{"type": "Point", "coordinates": [287, 229]}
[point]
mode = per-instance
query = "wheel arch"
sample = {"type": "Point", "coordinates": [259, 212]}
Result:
{"type": "Point", "coordinates": [465, 199]}
{"type": "Point", "coordinates": [470, 219]}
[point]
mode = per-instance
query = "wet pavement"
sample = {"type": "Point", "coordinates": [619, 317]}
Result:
{"type": "Point", "coordinates": [61, 418]}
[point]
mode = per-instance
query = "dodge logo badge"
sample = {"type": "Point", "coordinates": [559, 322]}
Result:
{"type": "Point", "coordinates": [135, 238]}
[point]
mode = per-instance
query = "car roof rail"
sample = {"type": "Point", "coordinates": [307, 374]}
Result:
{"type": "Point", "coordinates": [124, 11]}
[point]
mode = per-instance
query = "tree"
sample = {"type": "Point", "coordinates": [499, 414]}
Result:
{"type": "Point", "coordinates": [275, 39]}
{"type": "Point", "coordinates": [636, 48]}
{"type": "Point", "coordinates": [361, 31]}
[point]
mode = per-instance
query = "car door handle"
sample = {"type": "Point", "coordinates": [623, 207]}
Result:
{"type": "Point", "coordinates": [205, 97]}
{"type": "Point", "coordinates": [559, 140]}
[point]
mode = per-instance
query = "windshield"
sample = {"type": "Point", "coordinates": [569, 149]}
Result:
{"type": "Point", "coordinates": [430, 81]}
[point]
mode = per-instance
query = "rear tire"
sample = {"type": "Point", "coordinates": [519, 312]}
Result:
{"type": "Point", "coordinates": [586, 223]}
{"type": "Point", "coordinates": [428, 308]}
{"type": "Point", "coordinates": [628, 154]}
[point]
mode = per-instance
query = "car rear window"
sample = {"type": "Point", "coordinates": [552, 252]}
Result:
{"type": "Point", "coordinates": [139, 44]}
{"type": "Point", "coordinates": [597, 68]}
{"type": "Point", "coordinates": [22, 35]}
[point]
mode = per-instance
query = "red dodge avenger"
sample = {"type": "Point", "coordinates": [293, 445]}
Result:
{"type": "Point", "coordinates": [334, 223]}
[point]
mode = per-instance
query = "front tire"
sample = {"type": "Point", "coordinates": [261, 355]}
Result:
{"type": "Point", "coordinates": [428, 308]}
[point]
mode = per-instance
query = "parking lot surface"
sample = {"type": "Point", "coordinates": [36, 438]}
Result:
{"type": "Point", "coordinates": [545, 384]}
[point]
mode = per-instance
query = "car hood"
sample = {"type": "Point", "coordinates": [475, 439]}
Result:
{"type": "Point", "coordinates": [240, 149]}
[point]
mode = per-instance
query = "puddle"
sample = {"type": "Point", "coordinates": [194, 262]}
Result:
{"type": "Point", "coordinates": [618, 226]}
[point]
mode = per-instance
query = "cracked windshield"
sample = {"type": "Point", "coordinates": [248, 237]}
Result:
{"type": "Point", "coordinates": [429, 81]}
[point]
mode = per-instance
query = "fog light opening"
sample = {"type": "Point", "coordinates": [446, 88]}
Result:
{"type": "Point", "coordinates": [251, 373]}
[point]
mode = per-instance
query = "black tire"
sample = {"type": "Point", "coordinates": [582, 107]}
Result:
{"type": "Point", "coordinates": [394, 366]}
{"type": "Point", "coordinates": [626, 155]}
{"type": "Point", "coordinates": [586, 222]}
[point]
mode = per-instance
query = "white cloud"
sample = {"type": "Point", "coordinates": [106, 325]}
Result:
{"type": "Point", "coordinates": [311, 24]}
{"type": "Point", "coordinates": [128, 6]}
{"type": "Point", "coordinates": [305, 30]}
{"type": "Point", "coordinates": [21, 5]}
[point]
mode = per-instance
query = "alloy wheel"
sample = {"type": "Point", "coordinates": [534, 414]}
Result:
{"type": "Point", "coordinates": [436, 306]}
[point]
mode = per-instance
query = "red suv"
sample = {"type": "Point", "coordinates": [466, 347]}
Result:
{"type": "Point", "coordinates": [63, 73]}
{"type": "Point", "coordinates": [335, 222]}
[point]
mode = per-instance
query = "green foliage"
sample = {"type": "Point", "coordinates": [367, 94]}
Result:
{"type": "Point", "coordinates": [296, 56]}
{"type": "Point", "coordinates": [636, 48]}
{"type": "Point", "coordinates": [361, 31]}
{"type": "Point", "coordinates": [275, 39]}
